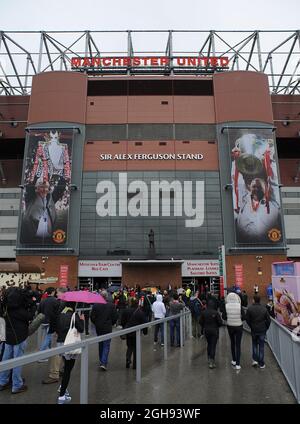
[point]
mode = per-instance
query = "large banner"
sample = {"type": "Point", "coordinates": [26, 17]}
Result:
{"type": "Point", "coordinates": [255, 190]}
{"type": "Point", "coordinates": [46, 194]}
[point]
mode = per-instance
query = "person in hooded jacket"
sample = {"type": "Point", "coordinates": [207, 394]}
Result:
{"type": "Point", "coordinates": [159, 312]}
{"type": "Point", "coordinates": [211, 320]}
{"type": "Point", "coordinates": [234, 315]}
{"type": "Point", "coordinates": [18, 311]}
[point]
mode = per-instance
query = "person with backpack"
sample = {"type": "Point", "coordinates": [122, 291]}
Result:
{"type": "Point", "coordinates": [196, 306]}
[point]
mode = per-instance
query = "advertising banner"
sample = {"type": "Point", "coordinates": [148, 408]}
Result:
{"type": "Point", "coordinates": [63, 275]}
{"type": "Point", "coordinates": [239, 275]}
{"type": "Point", "coordinates": [99, 269]}
{"type": "Point", "coordinates": [46, 193]}
{"type": "Point", "coordinates": [200, 268]}
{"type": "Point", "coordinates": [255, 189]}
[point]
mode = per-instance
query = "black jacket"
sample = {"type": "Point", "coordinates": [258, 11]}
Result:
{"type": "Point", "coordinates": [17, 322]}
{"type": "Point", "coordinates": [210, 320]}
{"type": "Point", "coordinates": [132, 317]}
{"type": "Point", "coordinates": [104, 316]}
{"type": "Point", "coordinates": [63, 324]}
{"type": "Point", "coordinates": [258, 318]}
{"type": "Point", "coordinates": [49, 307]}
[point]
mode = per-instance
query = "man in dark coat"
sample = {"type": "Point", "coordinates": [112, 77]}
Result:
{"type": "Point", "coordinates": [210, 321]}
{"type": "Point", "coordinates": [131, 317]}
{"type": "Point", "coordinates": [104, 316]}
{"type": "Point", "coordinates": [18, 311]}
{"type": "Point", "coordinates": [259, 321]}
{"type": "Point", "coordinates": [49, 307]}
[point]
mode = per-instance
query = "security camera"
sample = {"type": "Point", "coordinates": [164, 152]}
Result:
{"type": "Point", "coordinates": [286, 122]}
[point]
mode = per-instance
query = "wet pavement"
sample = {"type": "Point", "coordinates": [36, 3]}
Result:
{"type": "Point", "coordinates": [184, 378]}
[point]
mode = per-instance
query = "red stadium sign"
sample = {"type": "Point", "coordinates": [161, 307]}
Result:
{"type": "Point", "coordinates": [98, 63]}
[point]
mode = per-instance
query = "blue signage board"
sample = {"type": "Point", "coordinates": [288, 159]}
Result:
{"type": "Point", "coordinates": [284, 268]}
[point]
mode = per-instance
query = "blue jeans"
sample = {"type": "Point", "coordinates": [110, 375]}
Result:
{"type": "Point", "coordinates": [10, 352]}
{"type": "Point", "coordinates": [258, 346]}
{"type": "Point", "coordinates": [157, 328]}
{"type": "Point", "coordinates": [104, 348]}
{"type": "Point", "coordinates": [175, 326]}
{"type": "Point", "coordinates": [46, 343]}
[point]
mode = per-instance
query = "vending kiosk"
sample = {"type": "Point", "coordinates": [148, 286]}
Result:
{"type": "Point", "coordinates": [286, 293]}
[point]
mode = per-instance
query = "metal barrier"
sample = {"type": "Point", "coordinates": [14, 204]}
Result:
{"type": "Point", "coordinates": [286, 349]}
{"type": "Point", "coordinates": [185, 329]}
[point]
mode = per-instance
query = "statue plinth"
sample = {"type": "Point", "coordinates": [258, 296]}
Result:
{"type": "Point", "coordinates": [151, 253]}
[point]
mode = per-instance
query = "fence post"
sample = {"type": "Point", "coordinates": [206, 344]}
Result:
{"type": "Point", "coordinates": [181, 329]}
{"type": "Point", "coordinates": [138, 356]}
{"type": "Point", "coordinates": [190, 326]}
{"type": "Point", "coordinates": [295, 369]}
{"type": "Point", "coordinates": [39, 337]}
{"type": "Point", "coordinates": [84, 375]}
{"type": "Point", "coordinates": [165, 340]}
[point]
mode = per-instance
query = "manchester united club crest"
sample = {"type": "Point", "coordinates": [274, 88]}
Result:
{"type": "Point", "coordinates": [274, 234]}
{"type": "Point", "coordinates": [59, 236]}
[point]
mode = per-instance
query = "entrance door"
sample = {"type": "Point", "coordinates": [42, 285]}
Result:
{"type": "Point", "coordinates": [204, 285]}
{"type": "Point", "coordinates": [85, 282]}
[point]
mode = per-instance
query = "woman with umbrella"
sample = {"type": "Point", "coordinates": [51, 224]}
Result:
{"type": "Point", "coordinates": [63, 325]}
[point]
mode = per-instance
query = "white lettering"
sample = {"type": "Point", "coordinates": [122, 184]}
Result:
{"type": "Point", "coordinates": [122, 194]}
{"type": "Point", "coordinates": [138, 205]}
{"type": "Point", "coordinates": [160, 197]}
{"type": "Point", "coordinates": [198, 211]}
{"type": "Point", "coordinates": [109, 198]}
{"type": "Point", "coordinates": [151, 156]}
{"type": "Point", "coordinates": [166, 188]}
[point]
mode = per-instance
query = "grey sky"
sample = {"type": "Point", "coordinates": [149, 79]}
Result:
{"type": "Point", "coordinates": [148, 14]}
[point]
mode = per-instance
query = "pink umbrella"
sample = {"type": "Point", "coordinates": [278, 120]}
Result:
{"type": "Point", "coordinates": [82, 296]}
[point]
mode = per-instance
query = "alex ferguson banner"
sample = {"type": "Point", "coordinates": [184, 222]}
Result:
{"type": "Point", "coordinates": [46, 194]}
{"type": "Point", "coordinates": [255, 190]}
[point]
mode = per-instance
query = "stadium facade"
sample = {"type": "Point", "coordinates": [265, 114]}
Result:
{"type": "Point", "coordinates": [202, 155]}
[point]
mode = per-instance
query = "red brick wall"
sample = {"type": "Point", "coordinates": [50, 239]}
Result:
{"type": "Point", "coordinates": [250, 267]}
{"type": "Point", "coordinates": [52, 264]}
{"type": "Point", "coordinates": [151, 275]}
{"type": "Point", "coordinates": [288, 170]}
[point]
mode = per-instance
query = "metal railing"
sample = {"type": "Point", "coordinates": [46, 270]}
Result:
{"type": "Point", "coordinates": [24, 54]}
{"type": "Point", "coordinates": [286, 349]}
{"type": "Point", "coordinates": [185, 331]}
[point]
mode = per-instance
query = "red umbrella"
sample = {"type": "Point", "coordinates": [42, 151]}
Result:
{"type": "Point", "coordinates": [82, 296]}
